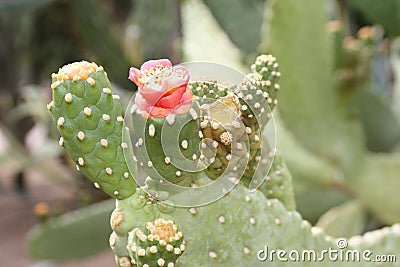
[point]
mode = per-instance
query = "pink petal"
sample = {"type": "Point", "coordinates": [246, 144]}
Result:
{"type": "Point", "coordinates": [154, 63]}
{"type": "Point", "coordinates": [186, 102]}
{"type": "Point", "coordinates": [156, 112]}
{"type": "Point", "coordinates": [171, 100]}
{"type": "Point", "coordinates": [134, 76]}
{"type": "Point", "coordinates": [141, 103]}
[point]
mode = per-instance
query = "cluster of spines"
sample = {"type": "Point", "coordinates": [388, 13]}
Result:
{"type": "Point", "coordinates": [89, 119]}
{"type": "Point", "coordinates": [160, 244]}
{"type": "Point", "coordinates": [208, 89]}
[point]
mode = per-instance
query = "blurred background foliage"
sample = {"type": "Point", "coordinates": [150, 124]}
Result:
{"type": "Point", "coordinates": [339, 114]}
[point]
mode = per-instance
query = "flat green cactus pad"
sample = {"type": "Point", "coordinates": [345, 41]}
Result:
{"type": "Point", "coordinates": [89, 119]}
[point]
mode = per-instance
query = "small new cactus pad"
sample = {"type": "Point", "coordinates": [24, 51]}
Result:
{"type": "Point", "coordinates": [89, 119]}
{"type": "Point", "coordinates": [159, 244]}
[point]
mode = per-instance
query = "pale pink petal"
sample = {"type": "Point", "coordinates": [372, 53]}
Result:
{"type": "Point", "coordinates": [157, 112]}
{"type": "Point", "coordinates": [186, 102]}
{"type": "Point", "coordinates": [134, 76]}
{"type": "Point", "coordinates": [154, 63]}
{"type": "Point", "coordinates": [141, 103]}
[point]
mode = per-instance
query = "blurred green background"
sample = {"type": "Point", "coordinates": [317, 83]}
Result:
{"type": "Point", "coordinates": [339, 107]}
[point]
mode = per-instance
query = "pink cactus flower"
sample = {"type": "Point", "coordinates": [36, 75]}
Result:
{"type": "Point", "coordinates": [162, 88]}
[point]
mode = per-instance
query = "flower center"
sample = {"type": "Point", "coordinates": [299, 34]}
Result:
{"type": "Point", "coordinates": [156, 75]}
{"type": "Point", "coordinates": [76, 71]}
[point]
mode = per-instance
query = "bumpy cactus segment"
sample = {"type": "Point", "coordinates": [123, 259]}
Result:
{"type": "Point", "coordinates": [89, 119]}
{"type": "Point", "coordinates": [239, 114]}
{"type": "Point", "coordinates": [168, 148]}
{"type": "Point", "coordinates": [268, 67]}
{"type": "Point", "coordinates": [159, 244]}
{"type": "Point", "coordinates": [130, 213]}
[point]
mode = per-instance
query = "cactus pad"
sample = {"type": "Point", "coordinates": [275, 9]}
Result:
{"type": "Point", "coordinates": [89, 119]}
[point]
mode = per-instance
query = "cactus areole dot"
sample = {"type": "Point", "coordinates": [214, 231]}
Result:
{"type": "Point", "coordinates": [162, 88]}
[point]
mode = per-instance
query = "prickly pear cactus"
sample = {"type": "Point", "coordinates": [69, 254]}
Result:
{"type": "Point", "coordinates": [147, 229]}
{"type": "Point", "coordinates": [89, 118]}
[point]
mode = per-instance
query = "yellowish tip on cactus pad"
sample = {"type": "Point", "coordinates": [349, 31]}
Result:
{"type": "Point", "coordinates": [76, 71]}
